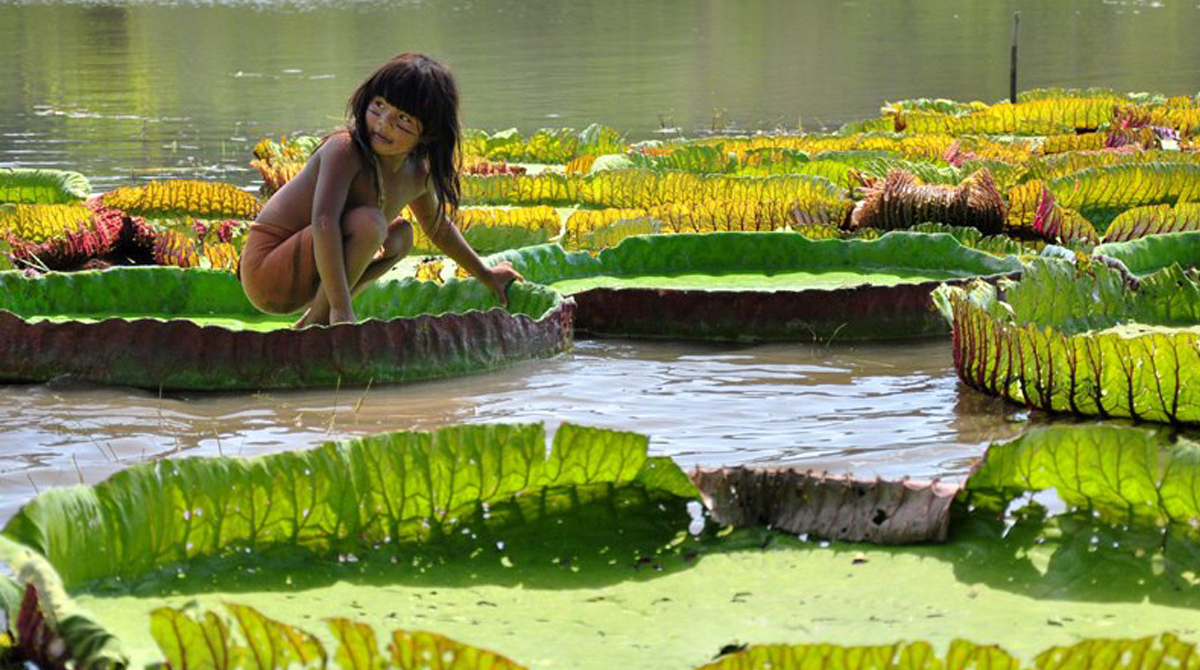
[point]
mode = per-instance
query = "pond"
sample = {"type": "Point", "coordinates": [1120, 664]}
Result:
{"type": "Point", "coordinates": [129, 91]}
{"type": "Point", "coordinates": [891, 410]}
{"type": "Point", "coordinates": [125, 91]}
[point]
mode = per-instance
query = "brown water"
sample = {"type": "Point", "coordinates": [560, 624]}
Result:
{"type": "Point", "coordinates": [891, 410]}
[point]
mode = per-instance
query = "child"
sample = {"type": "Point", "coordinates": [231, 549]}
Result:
{"type": "Point", "coordinates": [335, 227]}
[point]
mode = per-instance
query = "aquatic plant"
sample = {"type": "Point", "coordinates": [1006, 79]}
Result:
{"type": "Point", "coordinates": [60, 237]}
{"type": "Point", "coordinates": [189, 243]}
{"type": "Point", "coordinates": [1127, 185]}
{"type": "Point", "coordinates": [901, 201]}
{"type": "Point", "coordinates": [181, 197]}
{"type": "Point", "coordinates": [580, 165]}
{"type": "Point", "coordinates": [1083, 341]}
{"type": "Point", "coordinates": [485, 167]}
{"type": "Point", "coordinates": [1165, 651]}
{"type": "Point", "coordinates": [558, 145]}
{"type": "Point", "coordinates": [632, 188]}
{"type": "Point", "coordinates": [1072, 142]}
{"type": "Point", "coordinates": [698, 158]}
{"type": "Point", "coordinates": [206, 334]}
{"type": "Point", "coordinates": [276, 174]}
{"type": "Point", "coordinates": [375, 525]}
{"type": "Point", "coordinates": [489, 230]}
{"type": "Point", "coordinates": [1153, 220]}
{"type": "Point", "coordinates": [42, 187]}
{"type": "Point", "coordinates": [294, 149]}
{"type": "Point", "coordinates": [1040, 116]}
{"type": "Point", "coordinates": [740, 288]}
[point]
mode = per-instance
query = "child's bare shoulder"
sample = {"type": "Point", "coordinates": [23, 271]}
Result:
{"type": "Point", "coordinates": [338, 149]}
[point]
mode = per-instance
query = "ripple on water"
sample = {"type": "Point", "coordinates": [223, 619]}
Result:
{"type": "Point", "coordinates": [891, 410]}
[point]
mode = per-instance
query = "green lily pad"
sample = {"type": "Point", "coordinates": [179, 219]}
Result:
{"type": "Point", "coordinates": [1152, 253]}
{"type": "Point", "coordinates": [1089, 340]}
{"type": "Point", "coordinates": [758, 286]}
{"type": "Point", "coordinates": [561, 557]}
{"type": "Point", "coordinates": [161, 327]}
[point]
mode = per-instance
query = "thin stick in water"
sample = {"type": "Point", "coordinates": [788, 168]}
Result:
{"type": "Point", "coordinates": [77, 470]}
{"type": "Point", "coordinates": [1012, 73]}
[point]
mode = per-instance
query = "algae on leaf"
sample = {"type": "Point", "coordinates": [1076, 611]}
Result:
{"type": "Point", "coordinates": [391, 488]}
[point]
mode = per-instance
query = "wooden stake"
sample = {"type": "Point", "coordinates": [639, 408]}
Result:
{"type": "Point", "coordinates": [1012, 73]}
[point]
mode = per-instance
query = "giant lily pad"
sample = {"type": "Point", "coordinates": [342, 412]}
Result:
{"type": "Point", "coordinates": [1091, 340]}
{"type": "Point", "coordinates": [759, 286]}
{"type": "Point", "coordinates": [171, 328]}
{"type": "Point", "coordinates": [561, 557]}
{"type": "Point", "coordinates": [1149, 254]}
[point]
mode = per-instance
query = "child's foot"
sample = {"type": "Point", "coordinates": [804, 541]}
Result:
{"type": "Point", "coordinates": [306, 320]}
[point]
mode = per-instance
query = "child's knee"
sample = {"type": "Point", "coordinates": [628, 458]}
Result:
{"type": "Point", "coordinates": [365, 223]}
{"type": "Point", "coordinates": [399, 239]}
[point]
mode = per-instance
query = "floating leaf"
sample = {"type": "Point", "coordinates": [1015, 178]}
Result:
{"type": "Point", "coordinates": [357, 648]}
{"type": "Point", "coordinates": [386, 488]}
{"type": "Point", "coordinates": [696, 158]}
{"type": "Point", "coordinates": [1122, 475]}
{"type": "Point", "coordinates": [1152, 253]}
{"type": "Point", "coordinates": [1056, 144]}
{"type": "Point", "coordinates": [1033, 348]}
{"type": "Point", "coordinates": [43, 187]}
{"type": "Point", "coordinates": [1153, 220]}
{"type": "Point", "coordinates": [182, 197]}
{"type": "Point", "coordinates": [1000, 245]}
{"type": "Point", "coordinates": [1062, 225]}
{"type": "Point", "coordinates": [633, 188]}
{"type": "Point", "coordinates": [276, 174]}
{"type": "Point", "coordinates": [558, 145]}
{"type": "Point", "coordinates": [1041, 116]}
{"type": "Point", "coordinates": [836, 508]}
{"type": "Point", "coordinates": [1127, 185]}
{"type": "Point", "coordinates": [204, 643]}
{"type": "Point", "coordinates": [60, 237]}
{"type": "Point", "coordinates": [899, 656]}
{"type": "Point", "coordinates": [482, 166]}
{"type": "Point", "coordinates": [34, 224]}
{"type": "Point", "coordinates": [902, 201]}
{"type": "Point", "coordinates": [52, 630]}
{"type": "Point", "coordinates": [271, 644]}
{"type": "Point", "coordinates": [489, 230]}
{"type": "Point", "coordinates": [420, 649]}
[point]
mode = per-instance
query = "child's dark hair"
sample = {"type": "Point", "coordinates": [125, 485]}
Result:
{"type": "Point", "coordinates": [424, 88]}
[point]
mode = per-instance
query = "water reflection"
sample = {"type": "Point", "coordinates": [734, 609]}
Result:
{"type": "Point", "coordinates": [124, 91]}
{"type": "Point", "coordinates": [891, 410]}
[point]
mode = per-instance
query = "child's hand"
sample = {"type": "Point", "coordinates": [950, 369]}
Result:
{"type": "Point", "coordinates": [498, 279]}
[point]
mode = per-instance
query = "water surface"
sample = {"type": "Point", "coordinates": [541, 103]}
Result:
{"type": "Point", "coordinates": [891, 410]}
{"type": "Point", "coordinates": [130, 90]}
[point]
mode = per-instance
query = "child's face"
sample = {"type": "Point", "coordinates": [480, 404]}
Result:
{"type": "Point", "coordinates": [393, 131]}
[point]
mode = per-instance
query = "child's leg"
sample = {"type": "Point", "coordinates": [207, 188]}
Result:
{"type": "Point", "coordinates": [395, 245]}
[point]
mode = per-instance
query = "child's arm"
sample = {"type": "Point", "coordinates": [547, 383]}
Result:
{"type": "Point", "coordinates": [339, 164]}
{"type": "Point", "coordinates": [446, 236]}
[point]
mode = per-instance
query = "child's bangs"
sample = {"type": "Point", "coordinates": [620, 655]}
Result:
{"type": "Point", "coordinates": [413, 91]}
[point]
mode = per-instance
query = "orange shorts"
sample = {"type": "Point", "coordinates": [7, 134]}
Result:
{"type": "Point", "coordinates": [278, 270]}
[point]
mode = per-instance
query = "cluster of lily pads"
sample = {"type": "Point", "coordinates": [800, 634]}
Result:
{"type": "Point", "coordinates": [1056, 237]}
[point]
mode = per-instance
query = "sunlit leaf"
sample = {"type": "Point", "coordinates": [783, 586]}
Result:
{"type": "Point", "coordinates": [184, 198]}
{"type": "Point", "coordinates": [45, 187]}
